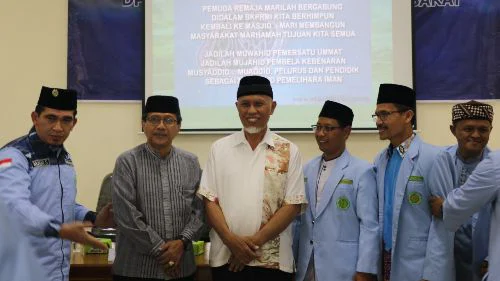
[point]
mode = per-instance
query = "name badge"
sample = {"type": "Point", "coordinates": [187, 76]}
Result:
{"type": "Point", "coordinates": [41, 162]}
{"type": "Point", "coordinates": [416, 178]}
{"type": "Point", "coordinates": [345, 181]}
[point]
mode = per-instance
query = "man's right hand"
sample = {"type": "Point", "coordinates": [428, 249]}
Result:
{"type": "Point", "coordinates": [436, 204]}
{"type": "Point", "coordinates": [240, 249]}
{"type": "Point", "coordinates": [76, 232]}
{"type": "Point", "coordinates": [234, 265]}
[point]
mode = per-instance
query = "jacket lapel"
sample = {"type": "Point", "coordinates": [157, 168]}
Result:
{"type": "Point", "coordinates": [333, 181]}
{"type": "Point", "coordinates": [381, 165]}
{"type": "Point", "coordinates": [404, 174]}
{"type": "Point", "coordinates": [312, 184]}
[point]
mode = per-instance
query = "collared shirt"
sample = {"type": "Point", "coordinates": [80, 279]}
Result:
{"type": "Point", "coordinates": [396, 155]}
{"type": "Point", "coordinates": [390, 178]}
{"type": "Point", "coordinates": [463, 250]}
{"type": "Point", "coordinates": [154, 201]}
{"type": "Point", "coordinates": [481, 188]}
{"type": "Point", "coordinates": [402, 148]}
{"type": "Point", "coordinates": [325, 171]}
{"type": "Point", "coordinates": [19, 262]}
{"type": "Point", "coordinates": [38, 186]}
{"type": "Point", "coordinates": [250, 186]}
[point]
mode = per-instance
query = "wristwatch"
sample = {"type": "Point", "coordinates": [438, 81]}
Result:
{"type": "Point", "coordinates": [185, 241]}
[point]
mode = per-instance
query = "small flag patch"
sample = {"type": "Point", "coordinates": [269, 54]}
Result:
{"type": "Point", "coordinates": [4, 163]}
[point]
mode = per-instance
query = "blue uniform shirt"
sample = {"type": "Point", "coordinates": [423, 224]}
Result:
{"type": "Point", "coordinates": [481, 188]}
{"type": "Point", "coordinates": [391, 175]}
{"type": "Point", "coordinates": [18, 259]}
{"type": "Point", "coordinates": [468, 245]}
{"type": "Point", "coordinates": [38, 186]}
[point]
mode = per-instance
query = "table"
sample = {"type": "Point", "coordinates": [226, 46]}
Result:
{"type": "Point", "coordinates": [96, 267]}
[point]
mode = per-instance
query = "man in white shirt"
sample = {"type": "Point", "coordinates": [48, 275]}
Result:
{"type": "Point", "coordinates": [253, 187]}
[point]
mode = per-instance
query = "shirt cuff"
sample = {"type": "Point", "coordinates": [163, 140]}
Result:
{"type": "Point", "coordinates": [52, 230]}
{"type": "Point", "coordinates": [297, 200]}
{"type": "Point", "coordinates": [156, 251]}
{"type": "Point", "coordinates": [90, 216]}
{"type": "Point", "coordinates": [207, 194]}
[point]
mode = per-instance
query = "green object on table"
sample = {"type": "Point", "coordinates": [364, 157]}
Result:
{"type": "Point", "coordinates": [87, 249]}
{"type": "Point", "coordinates": [198, 247]}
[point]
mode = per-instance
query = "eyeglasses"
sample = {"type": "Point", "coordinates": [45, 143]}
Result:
{"type": "Point", "coordinates": [383, 115]}
{"type": "Point", "coordinates": [326, 129]}
{"type": "Point", "coordinates": [155, 121]}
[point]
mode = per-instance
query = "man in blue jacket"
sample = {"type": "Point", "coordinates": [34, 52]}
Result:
{"type": "Point", "coordinates": [468, 246]}
{"type": "Point", "coordinates": [338, 236]}
{"type": "Point", "coordinates": [38, 184]}
{"type": "Point", "coordinates": [481, 188]}
{"type": "Point", "coordinates": [403, 190]}
{"type": "Point", "coordinates": [17, 256]}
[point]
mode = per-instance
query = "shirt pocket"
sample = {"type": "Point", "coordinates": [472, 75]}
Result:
{"type": "Point", "coordinates": [347, 223]}
{"type": "Point", "coordinates": [417, 247]}
{"type": "Point", "coordinates": [274, 184]}
{"type": "Point", "coordinates": [417, 192]}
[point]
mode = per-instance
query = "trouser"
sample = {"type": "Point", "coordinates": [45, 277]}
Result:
{"type": "Point", "coordinates": [250, 273]}
{"type": "Point", "coordinates": [125, 278]}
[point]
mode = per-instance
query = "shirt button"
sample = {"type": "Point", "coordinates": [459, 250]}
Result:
{"type": "Point", "coordinates": [313, 221]}
{"type": "Point", "coordinates": [311, 242]}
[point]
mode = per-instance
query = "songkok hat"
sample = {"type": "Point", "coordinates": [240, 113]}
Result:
{"type": "Point", "coordinates": [472, 110]}
{"type": "Point", "coordinates": [163, 104]}
{"type": "Point", "coordinates": [55, 98]}
{"type": "Point", "coordinates": [338, 111]}
{"type": "Point", "coordinates": [399, 94]}
{"type": "Point", "coordinates": [254, 85]}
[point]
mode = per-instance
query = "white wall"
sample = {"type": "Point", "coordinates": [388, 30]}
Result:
{"type": "Point", "coordinates": [33, 52]}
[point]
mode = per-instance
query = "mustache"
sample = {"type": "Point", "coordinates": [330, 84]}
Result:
{"type": "Point", "coordinates": [382, 127]}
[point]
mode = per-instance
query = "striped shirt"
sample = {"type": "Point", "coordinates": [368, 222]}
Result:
{"type": "Point", "coordinates": [154, 201]}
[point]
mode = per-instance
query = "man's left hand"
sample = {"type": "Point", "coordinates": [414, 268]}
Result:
{"type": "Point", "coordinates": [173, 271]}
{"type": "Point", "coordinates": [171, 253]}
{"type": "Point", "coordinates": [436, 204]}
{"type": "Point", "coordinates": [252, 243]}
{"type": "Point", "coordinates": [105, 217]}
{"type": "Point", "coordinates": [362, 276]}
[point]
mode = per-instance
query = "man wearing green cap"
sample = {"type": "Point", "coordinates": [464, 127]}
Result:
{"type": "Point", "coordinates": [156, 210]}
{"type": "Point", "coordinates": [38, 184]}
{"type": "Point", "coordinates": [253, 187]}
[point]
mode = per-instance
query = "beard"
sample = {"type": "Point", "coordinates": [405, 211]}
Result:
{"type": "Point", "coordinates": [253, 130]}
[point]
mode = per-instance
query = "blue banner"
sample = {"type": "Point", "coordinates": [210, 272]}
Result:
{"type": "Point", "coordinates": [106, 49]}
{"type": "Point", "coordinates": [456, 49]}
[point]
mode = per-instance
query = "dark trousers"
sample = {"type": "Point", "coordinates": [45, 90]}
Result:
{"type": "Point", "coordinates": [386, 265]}
{"type": "Point", "coordinates": [125, 278]}
{"type": "Point", "coordinates": [250, 273]}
